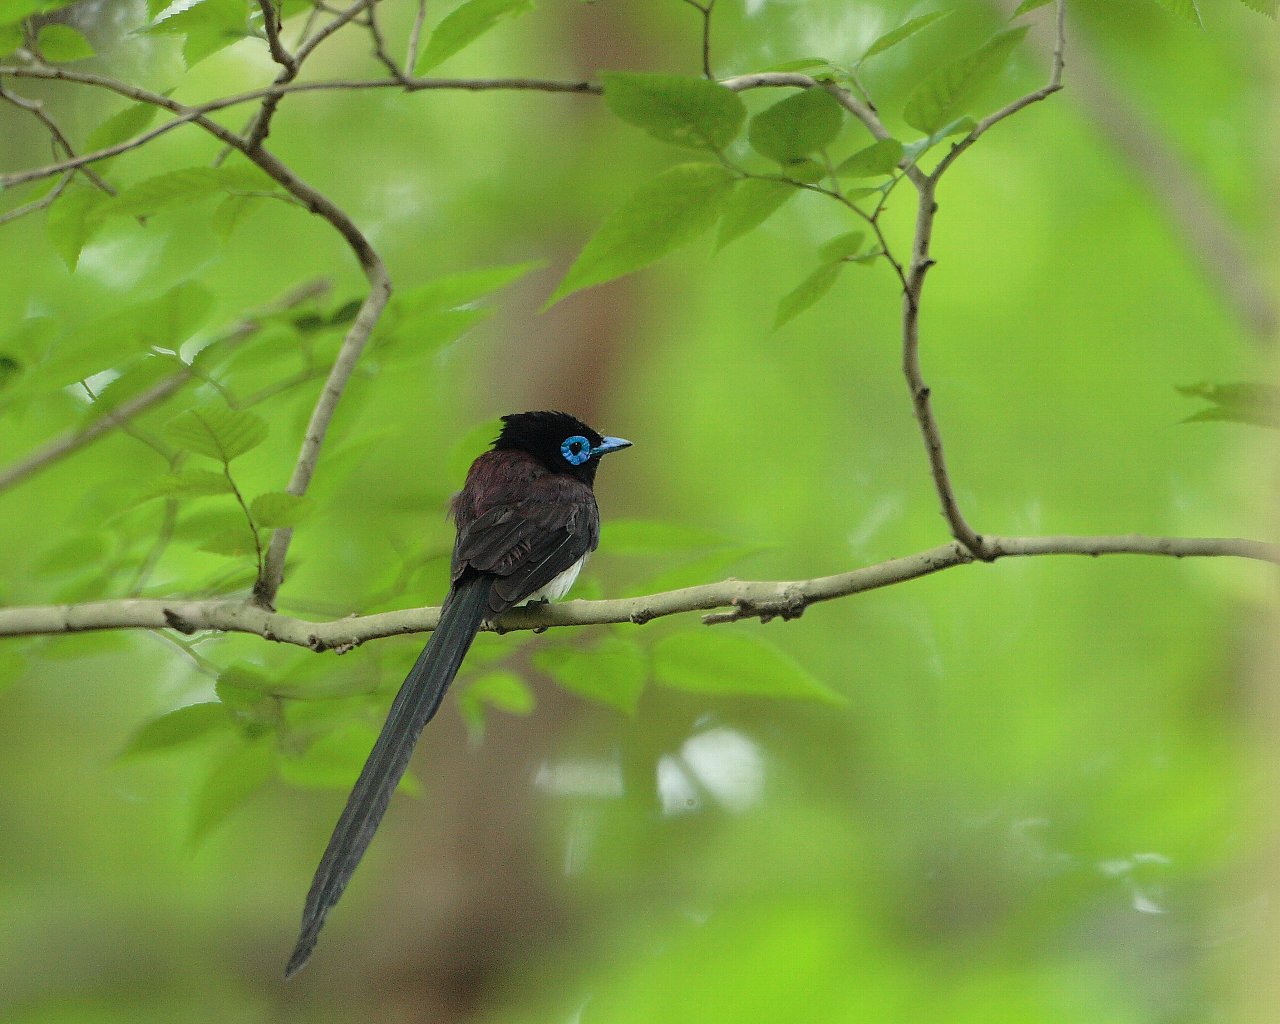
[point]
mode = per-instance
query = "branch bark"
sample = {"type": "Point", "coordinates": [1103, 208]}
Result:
{"type": "Point", "coordinates": [743, 599]}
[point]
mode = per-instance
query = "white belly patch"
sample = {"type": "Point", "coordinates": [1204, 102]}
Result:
{"type": "Point", "coordinates": [558, 586]}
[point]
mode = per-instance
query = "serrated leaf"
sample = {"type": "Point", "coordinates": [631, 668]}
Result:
{"type": "Point", "coordinates": [752, 203]}
{"type": "Point", "coordinates": [724, 662]}
{"type": "Point", "coordinates": [121, 126]}
{"type": "Point", "coordinates": [208, 26]}
{"type": "Point", "coordinates": [806, 293]}
{"type": "Point", "coordinates": [61, 44]}
{"type": "Point", "coordinates": [664, 214]}
{"type": "Point", "coordinates": [232, 781]}
{"type": "Point", "coordinates": [881, 157]}
{"type": "Point", "coordinates": [463, 26]}
{"type": "Point", "coordinates": [192, 722]}
{"type": "Point", "coordinates": [276, 508]}
{"type": "Point", "coordinates": [505, 691]}
{"type": "Point", "coordinates": [217, 431]}
{"type": "Point", "coordinates": [1028, 6]}
{"type": "Point", "coordinates": [182, 187]}
{"type": "Point", "coordinates": [946, 93]}
{"type": "Point", "coordinates": [612, 673]}
{"type": "Point", "coordinates": [73, 220]}
{"type": "Point", "coordinates": [903, 32]}
{"type": "Point", "coordinates": [679, 109]}
{"type": "Point", "coordinates": [842, 246]}
{"type": "Point", "coordinates": [649, 537]}
{"type": "Point", "coordinates": [791, 129]}
{"type": "Point", "coordinates": [1267, 7]}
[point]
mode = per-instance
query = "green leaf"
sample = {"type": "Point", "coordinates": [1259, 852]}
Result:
{"type": "Point", "coordinates": [334, 760]}
{"type": "Point", "coordinates": [666, 213]}
{"type": "Point", "coordinates": [462, 289]}
{"type": "Point", "coordinates": [183, 187]}
{"type": "Point", "coordinates": [946, 93]}
{"type": "Point", "coordinates": [1267, 7]}
{"type": "Point", "coordinates": [505, 691]}
{"type": "Point", "coordinates": [121, 126]}
{"type": "Point", "coordinates": [231, 213]}
{"type": "Point", "coordinates": [192, 722]}
{"type": "Point", "coordinates": [842, 246]}
{"type": "Point", "coordinates": [613, 673]}
{"type": "Point", "coordinates": [879, 158]}
{"type": "Point", "coordinates": [72, 221]}
{"type": "Point", "coordinates": [679, 109]}
{"type": "Point", "coordinates": [217, 431]}
{"type": "Point", "coordinates": [730, 663]}
{"type": "Point", "coordinates": [231, 542]}
{"type": "Point", "coordinates": [189, 483]}
{"type": "Point", "coordinates": [793, 128]}
{"type": "Point", "coordinates": [464, 26]}
{"type": "Point", "coordinates": [1184, 9]}
{"type": "Point", "coordinates": [903, 32]}
{"type": "Point", "coordinates": [136, 376]}
{"type": "Point", "coordinates": [1237, 402]}
{"type": "Point", "coordinates": [753, 202]}
{"type": "Point", "coordinates": [806, 293]}
{"type": "Point", "coordinates": [61, 44]}
{"type": "Point", "coordinates": [208, 25]}
{"type": "Point", "coordinates": [243, 687]}
{"type": "Point", "coordinates": [276, 508]}
{"type": "Point", "coordinates": [1027, 6]}
{"type": "Point", "coordinates": [233, 780]}
{"type": "Point", "coordinates": [172, 318]}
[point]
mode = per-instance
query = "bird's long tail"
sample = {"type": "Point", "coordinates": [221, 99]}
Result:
{"type": "Point", "coordinates": [417, 701]}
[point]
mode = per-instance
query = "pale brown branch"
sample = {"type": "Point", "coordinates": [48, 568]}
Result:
{"type": "Point", "coordinates": [37, 205]}
{"type": "Point", "coordinates": [415, 36]}
{"type": "Point", "coordinates": [741, 598]}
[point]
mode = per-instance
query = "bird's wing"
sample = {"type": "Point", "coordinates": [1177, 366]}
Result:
{"type": "Point", "coordinates": [527, 543]}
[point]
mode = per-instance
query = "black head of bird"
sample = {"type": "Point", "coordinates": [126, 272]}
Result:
{"type": "Point", "coordinates": [562, 443]}
{"type": "Point", "coordinates": [527, 520]}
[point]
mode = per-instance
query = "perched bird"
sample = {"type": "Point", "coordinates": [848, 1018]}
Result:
{"type": "Point", "coordinates": [526, 520]}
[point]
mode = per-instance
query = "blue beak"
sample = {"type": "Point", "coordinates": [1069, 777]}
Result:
{"type": "Point", "coordinates": [610, 444]}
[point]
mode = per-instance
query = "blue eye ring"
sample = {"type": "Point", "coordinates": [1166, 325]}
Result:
{"type": "Point", "coordinates": [576, 450]}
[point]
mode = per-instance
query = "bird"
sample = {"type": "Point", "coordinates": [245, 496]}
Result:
{"type": "Point", "coordinates": [526, 521]}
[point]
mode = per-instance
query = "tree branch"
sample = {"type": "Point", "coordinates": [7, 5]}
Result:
{"type": "Point", "coordinates": [743, 598]}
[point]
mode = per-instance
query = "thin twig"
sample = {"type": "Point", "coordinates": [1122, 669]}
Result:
{"type": "Point", "coordinates": [36, 109]}
{"type": "Point", "coordinates": [271, 26]}
{"type": "Point", "coordinates": [415, 35]}
{"type": "Point", "coordinates": [380, 46]}
{"type": "Point", "coordinates": [741, 598]}
{"type": "Point", "coordinates": [73, 441]}
{"type": "Point", "coordinates": [705, 10]}
{"type": "Point", "coordinates": [37, 205]}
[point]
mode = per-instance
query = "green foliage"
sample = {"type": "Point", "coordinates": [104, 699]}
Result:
{"type": "Point", "coordinates": [793, 128]}
{"type": "Point", "coordinates": [724, 662]}
{"type": "Point", "coordinates": [1241, 402]}
{"type": "Point", "coordinates": [881, 157]}
{"type": "Point", "coordinates": [754, 200]}
{"type": "Point", "coordinates": [613, 672]}
{"type": "Point", "coordinates": [276, 508]}
{"type": "Point", "coordinates": [206, 26]}
{"type": "Point", "coordinates": [236, 777]}
{"type": "Point", "coordinates": [672, 210]}
{"type": "Point", "coordinates": [905, 31]}
{"type": "Point", "coordinates": [949, 91]}
{"type": "Point", "coordinates": [464, 25]}
{"type": "Point", "coordinates": [186, 724]}
{"type": "Point", "coordinates": [500, 690]}
{"type": "Point", "coordinates": [63, 44]}
{"type": "Point", "coordinates": [683, 111]}
{"type": "Point", "coordinates": [124, 124]}
{"type": "Point", "coordinates": [217, 431]}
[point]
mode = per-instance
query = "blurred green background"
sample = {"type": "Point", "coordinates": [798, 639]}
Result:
{"type": "Point", "coordinates": [1047, 797]}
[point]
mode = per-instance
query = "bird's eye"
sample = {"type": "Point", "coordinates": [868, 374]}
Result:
{"type": "Point", "coordinates": [576, 450]}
